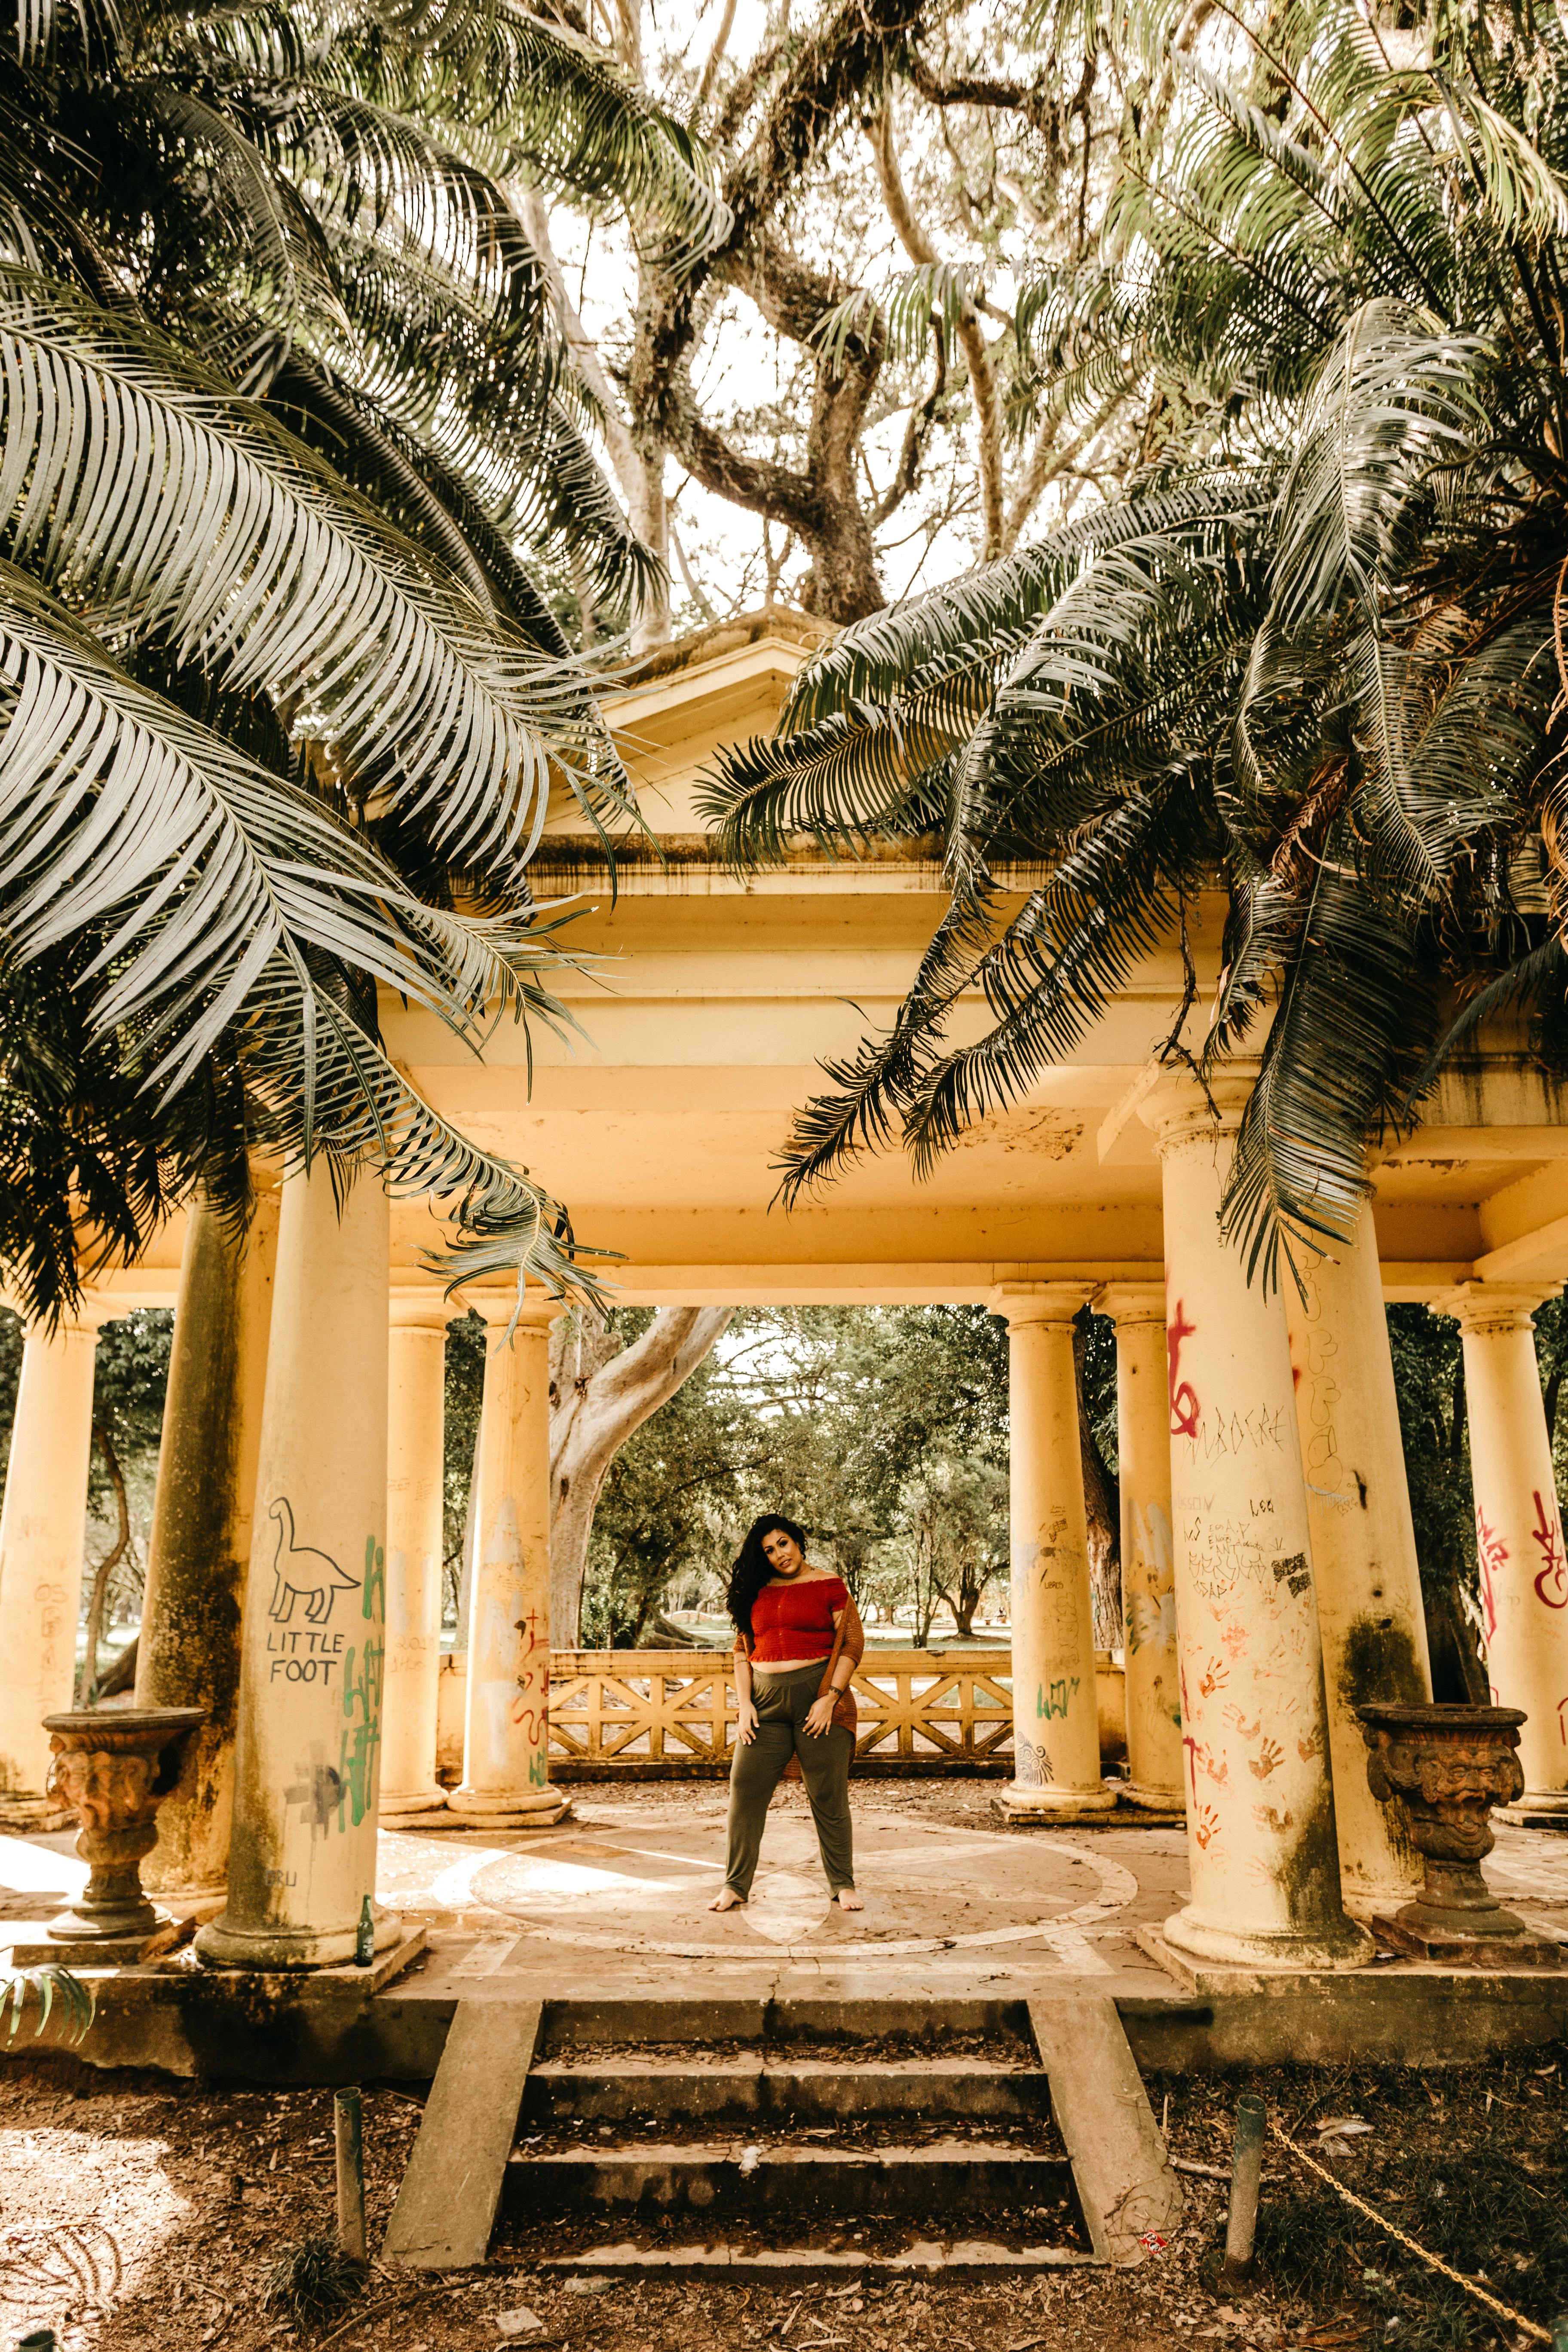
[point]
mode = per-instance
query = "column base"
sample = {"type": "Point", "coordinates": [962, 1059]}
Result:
{"type": "Point", "coordinates": [132, 1951]}
{"type": "Point", "coordinates": [1053, 1804]}
{"type": "Point", "coordinates": [1153, 1801]}
{"type": "Point", "coordinates": [509, 1809]}
{"type": "Point", "coordinates": [1537, 1809]}
{"type": "Point", "coordinates": [1367, 1903]}
{"type": "Point", "coordinates": [1346, 1944]}
{"type": "Point", "coordinates": [26, 1816]}
{"type": "Point", "coordinates": [396, 1804]}
{"type": "Point", "coordinates": [224, 1943]}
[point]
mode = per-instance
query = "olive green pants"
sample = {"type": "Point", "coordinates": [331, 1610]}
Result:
{"type": "Point", "coordinates": [780, 1702]}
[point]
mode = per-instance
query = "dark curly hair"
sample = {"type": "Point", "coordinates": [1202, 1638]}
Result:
{"type": "Point", "coordinates": [753, 1566]}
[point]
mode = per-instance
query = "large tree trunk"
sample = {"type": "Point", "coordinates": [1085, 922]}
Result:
{"type": "Point", "coordinates": [1102, 1509]}
{"type": "Point", "coordinates": [598, 1398]}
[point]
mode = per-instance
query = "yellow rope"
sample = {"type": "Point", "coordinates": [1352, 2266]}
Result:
{"type": "Point", "coordinates": [1503, 2310]}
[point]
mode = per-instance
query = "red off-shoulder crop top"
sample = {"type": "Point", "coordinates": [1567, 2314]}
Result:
{"type": "Point", "coordinates": [795, 1620]}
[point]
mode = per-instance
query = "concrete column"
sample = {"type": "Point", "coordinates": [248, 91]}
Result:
{"type": "Point", "coordinates": [1518, 1526]}
{"type": "Point", "coordinates": [199, 1555]}
{"type": "Point", "coordinates": [1148, 1577]}
{"type": "Point", "coordinates": [1262, 1849]}
{"type": "Point", "coordinates": [1055, 1720]}
{"type": "Point", "coordinates": [506, 1730]}
{"type": "Point", "coordinates": [302, 1850]}
{"type": "Point", "coordinates": [43, 1527]}
{"type": "Point", "coordinates": [417, 1397]}
{"type": "Point", "coordinates": [1370, 1613]}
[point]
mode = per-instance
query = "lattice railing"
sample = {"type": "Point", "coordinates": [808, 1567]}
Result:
{"type": "Point", "coordinates": [662, 1714]}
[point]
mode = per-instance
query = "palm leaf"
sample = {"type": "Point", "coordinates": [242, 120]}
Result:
{"type": "Point", "coordinates": [432, 702]}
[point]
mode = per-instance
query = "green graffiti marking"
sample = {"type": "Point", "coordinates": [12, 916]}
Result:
{"type": "Point", "coordinates": [361, 1741]}
{"type": "Point", "coordinates": [1061, 1693]}
{"type": "Point", "coordinates": [375, 1593]}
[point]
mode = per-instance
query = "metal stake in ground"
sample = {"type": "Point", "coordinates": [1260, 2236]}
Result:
{"type": "Point", "coordinates": [348, 2114]}
{"type": "Point", "coordinates": [1245, 2174]}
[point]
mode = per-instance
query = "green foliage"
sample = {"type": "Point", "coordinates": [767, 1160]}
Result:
{"type": "Point", "coordinates": [312, 2283]}
{"type": "Point", "coordinates": [131, 1377]}
{"type": "Point", "coordinates": [673, 1505]}
{"type": "Point", "coordinates": [56, 1994]}
{"type": "Point", "coordinates": [1429, 1381]}
{"type": "Point", "coordinates": [1308, 657]}
{"type": "Point", "coordinates": [882, 1430]}
{"type": "Point", "coordinates": [280, 702]}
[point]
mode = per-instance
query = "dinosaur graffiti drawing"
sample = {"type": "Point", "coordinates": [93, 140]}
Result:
{"type": "Point", "coordinates": [300, 1572]}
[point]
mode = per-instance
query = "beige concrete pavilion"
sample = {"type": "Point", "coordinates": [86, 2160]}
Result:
{"type": "Point", "coordinates": [1263, 1497]}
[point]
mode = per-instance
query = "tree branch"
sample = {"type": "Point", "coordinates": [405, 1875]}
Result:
{"type": "Point", "coordinates": [970, 336]}
{"type": "Point", "coordinates": [715, 56]}
{"type": "Point", "coordinates": [88, 1673]}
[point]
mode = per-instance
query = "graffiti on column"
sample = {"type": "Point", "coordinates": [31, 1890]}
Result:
{"type": "Point", "coordinates": [1492, 1554]}
{"type": "Point", "coordinates": [1186, 1410]}
{"type": "Point", "coordinates": [531, 1712]}
{"type": "Point", "coordinates": [373, 1602]}
{"type": "Point", "coordinates": [1034, 1765]}
{"type": "Point", "coordinates": [300, 1572]}
{"type": "Point", "coordinates": [361, 1736]}
{"type": "Point", "coordinates": [1563, 1721]}
{"type": "Point", "coordinates": [1551, 1583]}
{"type": "Point", "coordinates": [1059, 1700]}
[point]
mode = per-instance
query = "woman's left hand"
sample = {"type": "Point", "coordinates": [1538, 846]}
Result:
{"type": "Point", "coordinates": [819, 1718]}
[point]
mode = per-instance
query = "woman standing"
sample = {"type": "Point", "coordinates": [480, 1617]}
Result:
{"type": "Point", "coordinates": [789, 1617]}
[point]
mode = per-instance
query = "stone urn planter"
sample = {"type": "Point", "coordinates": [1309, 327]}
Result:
{"type": "Point", "coordinates": [1451, 1765]}
{"type": "Point", "coordinates": [113, 1767]}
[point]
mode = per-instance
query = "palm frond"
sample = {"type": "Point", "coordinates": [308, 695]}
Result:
{"type": "Point", "coordinates": [1393, 400]}
{"type": "Point", "coordinates": [430, 701]}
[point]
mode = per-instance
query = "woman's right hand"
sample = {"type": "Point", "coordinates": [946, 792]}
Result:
{"type": "Point", "coordinates": [745, 1723]}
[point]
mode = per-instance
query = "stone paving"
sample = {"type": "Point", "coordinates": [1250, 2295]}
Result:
{"type": "Point", "coordinates": [618, 1894]}
{"type": "Point", "coordinates": [616, 1899]}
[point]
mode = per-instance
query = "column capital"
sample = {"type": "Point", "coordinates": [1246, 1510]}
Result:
{"type": "Point", "coordinates": [424, 1308]}
{"type": "Point", "coordinates": [1038, 1302]}
{"type": "Point", "coordinates": [1493, 1306]}
{"type": "Point", "coordinates": [537, 1311]}
{"type": "Point", "coordinates": [1177, 1107]}
{"type": "Point", "coordinates": [1128, 1303]}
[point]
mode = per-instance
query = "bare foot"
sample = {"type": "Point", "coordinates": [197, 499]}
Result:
{"type": "Point", "coordinates": [848, 1900]}
{"type": "Point", "coordinates": [727, 1900]}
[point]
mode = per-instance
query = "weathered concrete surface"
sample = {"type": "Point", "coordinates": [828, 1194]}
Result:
{"type": "Point", "coordinates": [446, 2208]}
{"type": "Point", "coordinates": [963, 1927]}
{"type": "Point", "coordinates": [199, 1554]}
{"type": "Point", "coordinates": [1127, 2189]}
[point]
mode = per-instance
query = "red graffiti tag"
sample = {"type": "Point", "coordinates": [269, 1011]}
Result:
{"type": "Point", "coordinates": [1188, 1742]}
{"type": "Point", "coordinates": [1184, 1406]}
{"type": "Point", "coordinates": [1548, 1533]}
{"type": "Point", "coordinates": [1492, 1553]}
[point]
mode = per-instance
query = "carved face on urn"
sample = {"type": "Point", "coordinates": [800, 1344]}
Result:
{"type": "Point", "coordinates": [1451, 1765]}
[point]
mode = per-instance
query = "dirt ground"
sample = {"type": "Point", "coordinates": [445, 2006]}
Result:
{"type": "Point", "coordinates": [141, 2214]}
{"type": "Point", "coordinates": [137, 2214]}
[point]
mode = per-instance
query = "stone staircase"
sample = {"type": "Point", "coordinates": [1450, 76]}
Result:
{"type": "Point", "coordinates": [855, 2146]}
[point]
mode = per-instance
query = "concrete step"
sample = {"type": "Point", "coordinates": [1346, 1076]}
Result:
{"type": "Point", "coordinates": [791, 2205]}
{"type": "Point", "coordinates": [731, 2180]}
{"type": "Point", "coordinates": [800, 2154]}
{"type": "Point", "coordinates": [784, 2091]}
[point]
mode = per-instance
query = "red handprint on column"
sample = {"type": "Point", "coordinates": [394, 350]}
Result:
{"type": "Point", "coordinates": [1184, 1406]}
{"type": "Point", "coordinates": [1548, 1533]}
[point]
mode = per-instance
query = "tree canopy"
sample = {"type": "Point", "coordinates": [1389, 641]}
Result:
{"type": "Point", "coordinates": [290, 437]}
{"type": "Point", "coordinates": [1309, 654]}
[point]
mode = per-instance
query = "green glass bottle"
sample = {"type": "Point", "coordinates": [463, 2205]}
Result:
{"type": "Point", "coordinates": [364, 1942]}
